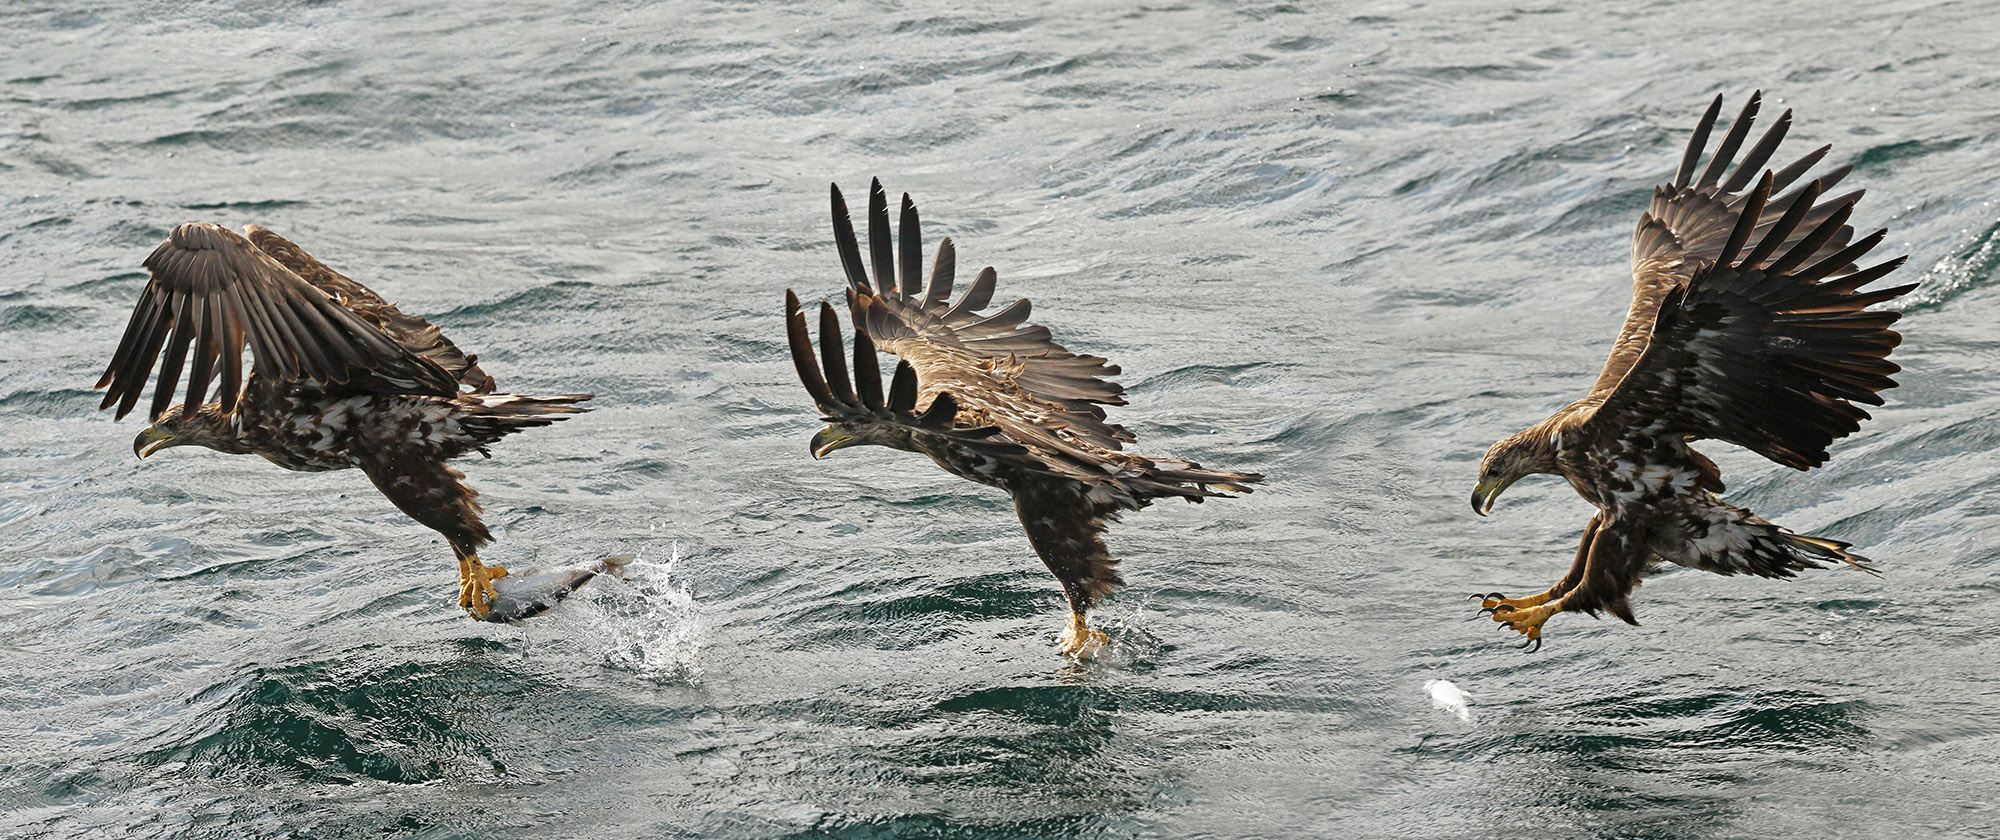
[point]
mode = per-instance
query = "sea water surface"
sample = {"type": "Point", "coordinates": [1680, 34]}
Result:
{"type": "Point", "coordinates": [1345, 245]}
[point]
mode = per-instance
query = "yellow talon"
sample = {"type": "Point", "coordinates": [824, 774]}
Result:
{"type": "Point", "coordinates": [1079, 641]}
{"type": "Point", "coordinates": [1495, 601]}
{"type": "Point", "coordinates": [1528, 621]}
{"type": "Point", "coordinates": [475, 585]}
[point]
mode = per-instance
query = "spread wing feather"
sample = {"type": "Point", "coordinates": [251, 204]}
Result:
{"type": "Point", "coordinates": [415, 334]}
{"type": "Point", "coordinates": [1016, 367]}
{"type": "Point", "coordinates": [1690, 221]}
{"type": "Point", "coordinates": [993, 386]}
{"type": "Point", "coordinates": [826, 379]}
{"type": "Point", "coordinates": [1768, 357]}
{"type": "Point", "coordinates": [216, 292]}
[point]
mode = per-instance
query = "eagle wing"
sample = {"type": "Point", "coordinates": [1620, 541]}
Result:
{"type": "Point", "coordinates": [216, 291]}
{"type": "Point", "coordinates": [1010, 372]}
{"type": "Point", "coordinates": [1768, 349]}
{"type": "Point", "coordinates": [826, 379]}
{"type": "Point", "coordinates": [1690, 220]}
{"type": "Point", "coordinates": [415, 334]}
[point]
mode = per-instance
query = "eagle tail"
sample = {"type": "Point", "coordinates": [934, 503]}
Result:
{"type": "Point", "coordinates": [1189, 480]}
{"type": "Point", "coordinates": [1715, 536]}
{"type": "Point", "coordinates": [1821, 548]}
{"type": "Point", "coordinates": [490, 417]}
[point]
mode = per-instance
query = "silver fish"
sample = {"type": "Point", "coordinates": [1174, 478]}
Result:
{"type": "Point", "coordinates": [532, 593]}
{"type": "Point", "coordinates": [1448, 696]}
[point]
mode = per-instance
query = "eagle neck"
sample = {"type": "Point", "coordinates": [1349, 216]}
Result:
{"type": "Point", "coordinates": [218, 431]}
{"type": "Point", "coordinates": [1543, 444]}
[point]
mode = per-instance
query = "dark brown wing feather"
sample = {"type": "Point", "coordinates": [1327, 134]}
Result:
{"type": "Point", "coordinates": [214, 291]}
{"type": "Point", "coordinates": [1769, 354]}
{"type": "Point", "coordinates": [989, 387]}
{"type": "Point", "coordinates": [416, 334]}
{"type": "Point", "coordinates": [1690, 220]}
{"type": "Point", "coordinates": [955, 347]}
{"type": "Point", "coordinates": [827, 381]}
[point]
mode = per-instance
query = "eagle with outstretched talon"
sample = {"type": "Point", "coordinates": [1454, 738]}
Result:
{"type": "Point", "coordinates": [988, 397]}
{"type": "Point", "coordinates": [340, 378]}
{"type": "Point", "coordinates": [1749, 324]}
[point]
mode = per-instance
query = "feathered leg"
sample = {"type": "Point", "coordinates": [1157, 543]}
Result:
{"type": "Point", "coordinates": [432, 493]}
{"type": "Point", "coordinates": [1619, 550]}
{"type": "Point", "coordinates": [1067, 530]}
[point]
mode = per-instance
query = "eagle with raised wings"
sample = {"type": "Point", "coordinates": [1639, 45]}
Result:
{"type": "Point", "coordinates": [990, 398]}
{"type": "Point", "coordinates": [340, 378]}
{"type": "Point", "coordinates": [1750, 325]}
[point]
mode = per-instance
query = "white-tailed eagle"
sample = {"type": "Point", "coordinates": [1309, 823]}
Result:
{"type": "Point", "coordinates": [1749, 324]}
{"type": "Point", "coordinates": [988, 397]}
{"type": "Point", "coordinates": [340, 378]}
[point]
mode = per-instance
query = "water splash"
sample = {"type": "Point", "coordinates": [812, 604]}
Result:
{"type": "Point", "coordinates": [644, 620]}
{"type": "Point", "coordinates": [1960, 271]}
{"type": "Point", "coordinates": [1129, 645]}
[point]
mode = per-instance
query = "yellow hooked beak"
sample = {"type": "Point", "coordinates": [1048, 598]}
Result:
{"type": "Point", "coordinates": [148, 441]}
{"type": "Point", "coordinates": [826, 440]}
{"type": "Point", "coordinates": [1485, 492]}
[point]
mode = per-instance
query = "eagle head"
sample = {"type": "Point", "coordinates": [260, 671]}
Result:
{"type": "Point", "coordinates": [176, 427]}
{"type": "Point", "coordinates": [1531, 452]}
{"type": "Point", "coordinates": [836, 435]}
{"type": "Point", "coordinates": [840, 434]}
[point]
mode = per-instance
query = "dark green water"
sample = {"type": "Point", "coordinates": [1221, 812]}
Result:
{"type": "Point", "coordinates": [1346, 246]}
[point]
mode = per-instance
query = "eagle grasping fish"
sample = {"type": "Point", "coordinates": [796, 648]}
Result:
{"type": "Point", "coordinates": [341, 378]}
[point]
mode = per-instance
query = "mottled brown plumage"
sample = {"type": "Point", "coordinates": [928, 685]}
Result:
{"type": "Point", "coordinates": [1748, 325]}
{"type": "Point", "coordinates": [341, 378]}
{"type": "Point", "coordinates": [988, 397]}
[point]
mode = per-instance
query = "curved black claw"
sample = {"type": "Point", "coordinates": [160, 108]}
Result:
{"type": "Point", "coordinates": [1500, 608]}
{"type": "Point", "coordinates": [1488, 610]}
{"type": "Point", "coordinates": [1531, 645]}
